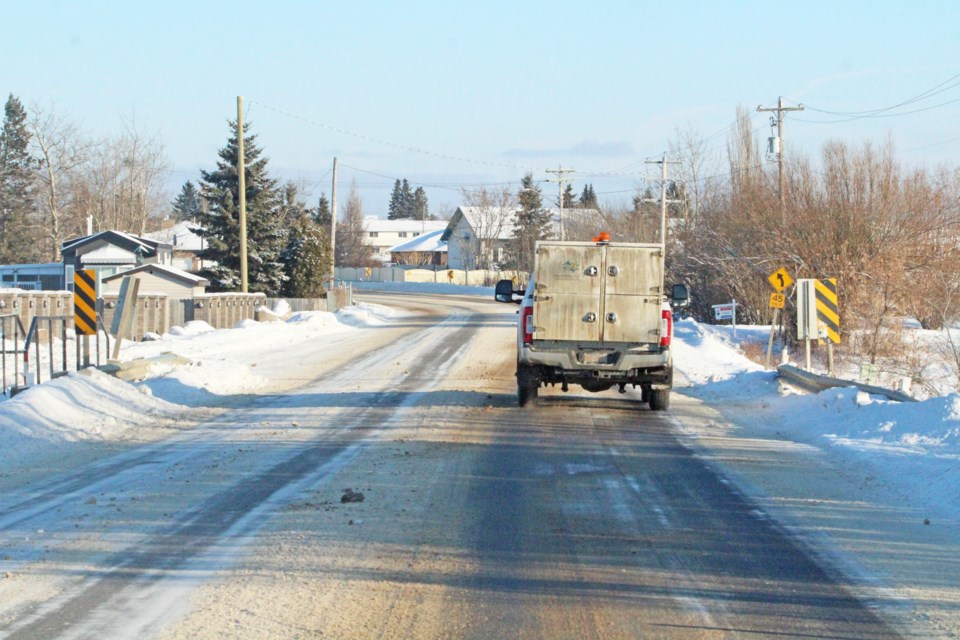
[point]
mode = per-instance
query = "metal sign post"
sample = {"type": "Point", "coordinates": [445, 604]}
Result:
{"type": "Point", "coordinates": [806, 316]}
{"type": "Point", "coordinates": [85, 308]}
{"type": "Point", "coordinates": [779, 280]}
{"type": "Point", "coordinates": [126, 312]}
{"type": "Point", "coordinates": [818, 315]}
{"type": "Point", "coordinates": [777, 302]}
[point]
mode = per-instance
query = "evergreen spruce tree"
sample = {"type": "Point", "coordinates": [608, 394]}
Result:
{"type": "Point", "coordinates": [293, 206]}
{"type": "Point", "coordinates": [407, 207]}
{"type": "Point", "coordinates": [569, 197]}
{"type": "Point", "coordinates": [306, 259]}
{"type": "Point", "coordinates": [396, 206]}
{"type": "Point", "coordinates": [588, 199]}
{"type": "Point", "coordinates": [19, 235]}
{"type": "Point", "coordinates": [533, 223]}
{"type": "Point", "coordinates": [406, 203]}
{"type": "Point", "coordinates": [421, 208]}
{"type": "Point", "coordinates": [321, 215]}
{"type": "Point", "coordinates": [219, 223]}
{"type": "Point", "coordinates": [186, 206]}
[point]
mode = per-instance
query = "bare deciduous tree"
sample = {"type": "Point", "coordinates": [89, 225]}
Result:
{"type": "Point", "coordinates": [63, 152]}
{"type": "Point", "coordinates": [124, 182]}
{"type": "Point", "coordinates": [351, 246]}
{"type": "Point", "coordinates": [492, 213]}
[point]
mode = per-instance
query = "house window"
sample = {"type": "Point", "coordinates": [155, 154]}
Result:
{"type": "Point", "coordinates": [466, 236]}
{"type": "Point", "coordinates": [402, 234]}
{"type": "Point", "coordinates": [374, 234]}
{"type": "Point", "coordinates": [416, 233]}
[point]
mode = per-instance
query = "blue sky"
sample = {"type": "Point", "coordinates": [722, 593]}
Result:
{"type": "Point", "coordinates": [452, 93]}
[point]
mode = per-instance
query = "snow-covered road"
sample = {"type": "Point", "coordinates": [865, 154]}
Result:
{"type": "Point", "coordinates": [204, 501]}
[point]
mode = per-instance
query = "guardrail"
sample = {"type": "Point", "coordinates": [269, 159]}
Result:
{"type": "Point", "coordinates": [816, 383]}
{"type": "Point", "coordinates": [41, 342]}
{"type": "Point", "coordinates": [11, 331]}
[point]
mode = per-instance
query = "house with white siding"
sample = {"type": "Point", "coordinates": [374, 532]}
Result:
{"type": "Point", "coordinates": [479, 237]}
{"type": "Point", "coordinates": [383, 234]}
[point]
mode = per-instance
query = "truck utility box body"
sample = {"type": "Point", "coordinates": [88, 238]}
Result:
{"type": "Point", "coordinates": [595, 314]}
{"type": "Point", "coordinates": [598, 295]}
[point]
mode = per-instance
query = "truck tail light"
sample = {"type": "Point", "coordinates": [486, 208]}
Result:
{"type": "Point", "coordinates": [526, 321]}
{"type": "Point", "coordinates": [666, 327]}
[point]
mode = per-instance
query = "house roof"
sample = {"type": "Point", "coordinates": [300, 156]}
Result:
{"type": "Point", "coordinates": [117, 238]}
{"type": "Point", "coordinates": [181, 236]}
{"type": "Point", "coordinates": [172, 272]}
{"type": "Point", "coordinates": [427, 243]}
{"type": "Point", "coordinates": [402, 224]}
{"type": "Point", "coordinates": [496, 224]}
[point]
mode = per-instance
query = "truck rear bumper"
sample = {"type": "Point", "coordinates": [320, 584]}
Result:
{"type": "Point", "coordinates": [563, 365]}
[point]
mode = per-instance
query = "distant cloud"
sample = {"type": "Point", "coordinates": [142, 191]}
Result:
{"type": "Point", "coordinates": [586, 148]}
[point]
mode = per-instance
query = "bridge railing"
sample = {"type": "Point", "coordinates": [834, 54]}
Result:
{"type": "Point", "coordinates": [13, 337]}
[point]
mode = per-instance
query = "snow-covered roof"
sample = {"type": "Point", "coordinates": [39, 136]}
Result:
{"type": "Point", "coordinates": [491, 222]}
{"type": "Point", "coordinates": [402, 224]}
{"type": "Point", "coordinates": [427, 243]}
{"type": "Point", "coordinates": [494, 223]}
{"type": "Point", "coordinates": [180, 235]}
{"type": "Point", "coordinates": [112, 237]}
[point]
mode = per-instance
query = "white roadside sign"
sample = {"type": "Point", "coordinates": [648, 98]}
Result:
{"type": "Point", "coordinates": [727, 311]}
{"type": "Point", "coordinates": [723, 311]}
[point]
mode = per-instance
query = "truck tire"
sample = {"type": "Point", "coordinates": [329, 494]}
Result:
{"type": "Point", "coordinates": [527, 394]}
{"type": "Point", "coordinates": [660, 399]}
{"type": "Point", "coordinates": [527, 385]}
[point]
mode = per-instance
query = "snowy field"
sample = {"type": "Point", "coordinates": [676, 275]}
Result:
{"type": "Point", "coordinates": [898, 462]}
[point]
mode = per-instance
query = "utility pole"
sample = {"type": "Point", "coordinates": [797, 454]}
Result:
{"type": "Point", "coordinates": [241, 174]}
{"type": "Point", "coordinates": [777, 147]}
{"type": "Point", "coordinates": [333, 227]}
{"type": "Point", "coordinates": [560, 180]}
{"type": "Point", "coordinates": [663, 162]}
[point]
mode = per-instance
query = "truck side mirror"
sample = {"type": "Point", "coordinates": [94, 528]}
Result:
{"type": "Point", "coordinates": [504, 292]}
{"type": "Point", "coordinates": [680, 296]}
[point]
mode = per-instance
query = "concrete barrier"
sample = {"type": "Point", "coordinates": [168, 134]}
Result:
{"type": "Point", "coordinates": [132, 370]}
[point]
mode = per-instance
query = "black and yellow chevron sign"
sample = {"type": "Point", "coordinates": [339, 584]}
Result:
{"type": "Point", "coordinates": [828, 310]}
{"type": "Point", "coordinates": [85, 302]}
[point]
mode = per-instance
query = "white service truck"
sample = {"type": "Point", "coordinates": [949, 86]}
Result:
{"type": "Point", "coordinates": [595, 314]}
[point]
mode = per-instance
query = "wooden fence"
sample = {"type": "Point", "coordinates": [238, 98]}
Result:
{"type": "Point", "coordinates": [157, 313]}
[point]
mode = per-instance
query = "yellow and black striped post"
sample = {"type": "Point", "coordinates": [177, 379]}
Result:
{"type": "Point", "coordinates": [85, 302]}
{"type": "Point", "coordinates": [828, 309]}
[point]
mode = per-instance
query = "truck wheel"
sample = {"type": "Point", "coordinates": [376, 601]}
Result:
{"type": "Point", "coordinates": [527, 394]}
{"type": "Point", "coordinates": [660, 399]}
{"type": "Point", "coordinates": [527, 385]}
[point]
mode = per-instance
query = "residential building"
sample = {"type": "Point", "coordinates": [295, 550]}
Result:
{"type": "Point", "coordinates": [111, 252]}
{"type": "Point", "coordinates": [383, 234]}
{"type": "Point", "coordinates": [33, 277]}
{"type": "Point", "coordinates": [480, 237]}
{"type": "Point", "coordinates": [424, 250]}
{"type": "Point", "coordinates": [186, 245]}
{"type": "Point", "coordinates": [160, 278]}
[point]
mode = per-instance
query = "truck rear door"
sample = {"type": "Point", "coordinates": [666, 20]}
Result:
{"type": "Point", "coordinates": [632, 298]}
{"type": "Point", "coordinates": [568, 297]}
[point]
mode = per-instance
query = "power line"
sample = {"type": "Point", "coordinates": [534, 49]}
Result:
{"type": "Point", "coordinates": [848, 116]}
{"type": "Point", "coordinates": [389, 143]}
